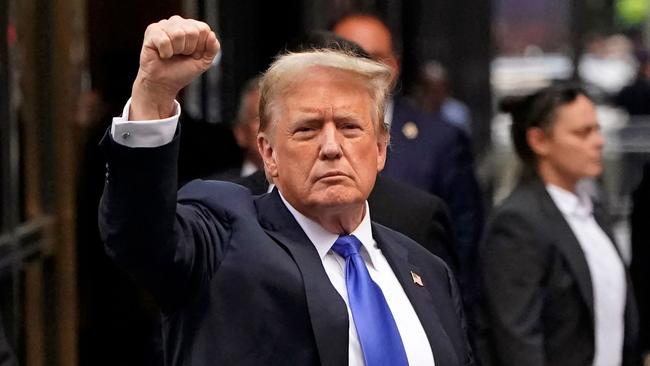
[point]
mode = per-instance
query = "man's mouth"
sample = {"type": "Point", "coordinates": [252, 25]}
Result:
{"type": "Point", "coordinates": [332, 175]}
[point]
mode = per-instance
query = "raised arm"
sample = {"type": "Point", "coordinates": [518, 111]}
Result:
{"type": "Point", "coordinates": [174, 52]}
{"type": "Point", "coordinates": [167, 247]}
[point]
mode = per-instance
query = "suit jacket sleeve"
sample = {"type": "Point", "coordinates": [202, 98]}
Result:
{"type": "Point", "coordinates": [513, 269]}
{"type": "Point", "coordinates": [171, 249]}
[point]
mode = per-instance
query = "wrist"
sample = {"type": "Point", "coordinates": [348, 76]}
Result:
{"type": "Point", "coordinates": [150, 101]}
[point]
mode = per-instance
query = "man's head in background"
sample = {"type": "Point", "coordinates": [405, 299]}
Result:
{"type": "Point", "coordinates": [374, 36]}
{"type": "Point", "coordinates": [432, 86]}
{"type": "Point", "coordinates": [247, 123]}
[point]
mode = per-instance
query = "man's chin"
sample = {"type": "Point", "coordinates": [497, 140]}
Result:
{"type": "Point", "coordinates": [338, 196]}
{"type": "Point", "coordinates": [596, 170]}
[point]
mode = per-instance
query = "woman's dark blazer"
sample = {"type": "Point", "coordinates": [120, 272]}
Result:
{"type": "Point", "coordinates": [538, 306]}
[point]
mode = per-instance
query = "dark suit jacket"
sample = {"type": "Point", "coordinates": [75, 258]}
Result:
{"type": "Point", "coordinates": [410, 211]}
{"type": "Point", "coordinates": [640, 266]}
{"type": "Point", "coordinates": [538, 307]}
{"type": "Point", "coordinates": [238, 280]}
{"type": "Point", "coordinates": [439, 161]}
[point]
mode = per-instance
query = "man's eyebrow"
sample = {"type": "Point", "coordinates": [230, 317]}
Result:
{"type": "Point", "coordinates": [307, 119]}
{"type": "Point", "coordinates": [309, 114]}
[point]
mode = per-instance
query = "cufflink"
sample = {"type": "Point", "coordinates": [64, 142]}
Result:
{"type": "Point", "coordinates": [126, 135]}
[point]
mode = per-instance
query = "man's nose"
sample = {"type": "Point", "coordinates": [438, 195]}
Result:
{"type": "Point", "coordinates": [599, 139]}
{"type": "Point", "coordinates": [330, 144]}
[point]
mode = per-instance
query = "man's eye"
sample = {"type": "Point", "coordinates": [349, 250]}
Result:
{"type": "Point", "coordinates": [584, 132]}
{"type": "Point", "coordinates": [350, 126]}
{"type": "Point", "coordinates": [304, 129]}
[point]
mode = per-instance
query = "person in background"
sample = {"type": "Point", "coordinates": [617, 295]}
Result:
{"type": "Point", "coordinates": [299, 276]}
{"type": "Point", "coordinates": [426, 152]}
{"type": "Point", "coordinates": [206, 150]}
{"type": "Point", "coordinates": [244, 130]}
{"type": "Point", "coordinates": [433, 94]}
{"type": "Point", "coordinates": [640, 266]}
{"type": "Point", "coordinates": [635, 97]}
{"type": "Point", "coordinates": [607, 63]}
{"type": "Point", "coordinates": [555, 288]}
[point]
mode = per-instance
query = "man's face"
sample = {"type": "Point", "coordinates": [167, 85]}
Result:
{"type": "Point", "coordinates": [324, 150]}
{"type": "Point", "coordinates": [373, 37]}
{"type": "Point", "coordinates": [573, 147]}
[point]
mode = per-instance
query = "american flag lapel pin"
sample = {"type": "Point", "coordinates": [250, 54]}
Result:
{"type": "Point", "coordinates": [417, 279]}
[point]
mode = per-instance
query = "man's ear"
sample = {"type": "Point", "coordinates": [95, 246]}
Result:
{"type": "Point", "coordinates": [239, 133]}
{"type": "Point", "coordinates": [538, 141]}
{"type": "Point", "coordinates": [394, 64]}
{"type": "Point", "coordinates": [267, 152]}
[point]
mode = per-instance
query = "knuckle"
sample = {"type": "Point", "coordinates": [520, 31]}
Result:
{"type": "Point", "coordinates": [192, 34]}
{"type": "Point", "coordinates": [162, 40]}
{"type": "Point", "coordinates": [203, 26]}
{"type": "Point", "coordinates": [176, 34]}
{"type": "Point", "coordinates": [153, 30]}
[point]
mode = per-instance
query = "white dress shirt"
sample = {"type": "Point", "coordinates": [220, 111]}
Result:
{"type": "Point", "coordinates": [144, 133]}
{"type": "Point", "coordinates": [416, 343]}
{"type": "Point", "coordinates": [606, 270]}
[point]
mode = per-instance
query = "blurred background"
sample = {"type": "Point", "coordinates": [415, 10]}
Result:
{"type": "Point", "coordinates": [66, 68]}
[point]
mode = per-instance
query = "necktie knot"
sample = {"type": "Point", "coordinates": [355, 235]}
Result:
{"type": "Point", "coordinates": [346, 245]}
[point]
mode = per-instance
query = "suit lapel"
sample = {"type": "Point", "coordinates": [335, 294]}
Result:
{"type": "Point", "coordinates": [327, 310]}
{"type": "Point", "coordinates": [601, 219]}
{"type": "Point", "coordinates": [568, 244]}
{"type": "Point", "coordinates": [419, 296]}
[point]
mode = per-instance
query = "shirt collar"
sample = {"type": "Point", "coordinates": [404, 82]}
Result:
{"type": "Point", "coordinates": [569, 203]}
{"type": "Point", "coordinates": [323, 239]}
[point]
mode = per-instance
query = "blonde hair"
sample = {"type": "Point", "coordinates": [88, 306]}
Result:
{"type": "Point", "coordinates": [289, 68]}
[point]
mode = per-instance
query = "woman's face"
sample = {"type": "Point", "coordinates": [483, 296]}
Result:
{"type": "Point", "coordinates": [572, 148]}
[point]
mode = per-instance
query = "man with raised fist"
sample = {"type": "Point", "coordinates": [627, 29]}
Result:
{"type": "Point", "coordinates": [299, 276]}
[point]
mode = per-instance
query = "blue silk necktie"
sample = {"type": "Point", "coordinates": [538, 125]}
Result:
{"type": "Point", "coordinates": [378, 334]}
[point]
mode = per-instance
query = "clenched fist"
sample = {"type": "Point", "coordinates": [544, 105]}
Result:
{"type": "Point", "coordinates": [174, 52]}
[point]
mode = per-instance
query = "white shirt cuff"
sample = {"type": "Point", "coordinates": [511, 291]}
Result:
{"type": "Point", "coordinates": [151, 133]}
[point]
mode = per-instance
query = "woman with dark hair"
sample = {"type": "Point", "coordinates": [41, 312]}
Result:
{"type": "Point", "coordinates": [555, 288]}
